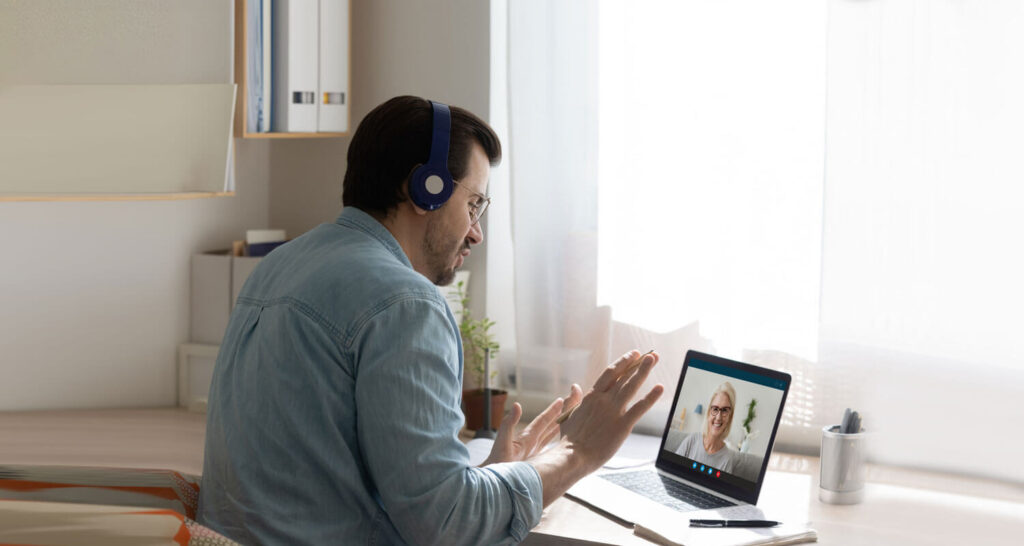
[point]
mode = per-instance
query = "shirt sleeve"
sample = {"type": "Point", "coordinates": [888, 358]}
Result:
{"type": "Point", "coordinates": [408, 392]}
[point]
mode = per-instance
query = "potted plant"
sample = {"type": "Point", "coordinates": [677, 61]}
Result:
{"type": "Point", "coordinates": [478, 344]}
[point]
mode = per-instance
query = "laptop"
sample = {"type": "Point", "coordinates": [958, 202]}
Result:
{"type": "Point", "coordinates": [713, 399]}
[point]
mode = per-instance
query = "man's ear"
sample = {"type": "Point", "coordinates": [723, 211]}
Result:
{"type": "Point", "coordinates": [407, 202]}
{"type": "Point", "coordinates": [416, 208]}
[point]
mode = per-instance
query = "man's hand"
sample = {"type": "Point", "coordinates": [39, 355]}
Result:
{"type": "Point", "coordinates": [510, 446]}
{"type": "Point", "coordinates": [599, 426]}
{"type": "Point", "coordinates": [605, 417]}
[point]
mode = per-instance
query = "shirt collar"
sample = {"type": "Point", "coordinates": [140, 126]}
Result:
{"type": "Point", "coordinates": [357, 219]}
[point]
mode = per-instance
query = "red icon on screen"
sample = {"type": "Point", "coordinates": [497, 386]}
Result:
{"type": "Point", "coordinates": [718, 474]}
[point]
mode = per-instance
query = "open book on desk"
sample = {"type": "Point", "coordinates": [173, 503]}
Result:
{"type": "Point", "coordinates": [683, 535]}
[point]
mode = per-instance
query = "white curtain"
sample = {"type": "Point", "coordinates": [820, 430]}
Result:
{"type": "Point", "coordinates": [923, 273]}
{"type": "Point", "coordinates": [828, 188]}
{"type": "Point", "coordinates": [552, 150]}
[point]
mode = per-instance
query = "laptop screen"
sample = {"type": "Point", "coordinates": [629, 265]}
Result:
{"type": "Point", "coordinates": [722, 425]}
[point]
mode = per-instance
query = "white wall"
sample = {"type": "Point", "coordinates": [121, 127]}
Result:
{"type": "Point", "coordinates": [437, 50]}
{"type": "Point", "coordinates": [95, 294]}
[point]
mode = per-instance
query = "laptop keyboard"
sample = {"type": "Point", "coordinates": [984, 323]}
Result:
{"type": "Point", "coordinates": [667, 491]}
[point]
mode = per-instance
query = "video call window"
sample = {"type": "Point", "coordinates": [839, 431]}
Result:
{"type": "Point", "coordinates": [722, 422]}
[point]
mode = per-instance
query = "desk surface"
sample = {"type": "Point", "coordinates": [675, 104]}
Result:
{"type": "Point", "coordinates": [901, 506]}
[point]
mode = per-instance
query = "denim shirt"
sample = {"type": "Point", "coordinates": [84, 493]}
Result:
{"type": "Point", "coordinates": [334, 409]}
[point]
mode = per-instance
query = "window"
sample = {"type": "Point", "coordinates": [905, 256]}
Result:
{"type": "Point", "coordinates": [828, 188]}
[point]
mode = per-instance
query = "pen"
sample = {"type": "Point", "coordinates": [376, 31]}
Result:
{"type": "Point", "coordinates": [629, 369]}
{"type": "Point", "coordinates": [732, 523]}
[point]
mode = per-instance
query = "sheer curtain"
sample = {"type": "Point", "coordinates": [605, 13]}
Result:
{"type": "Point", "coordinates": [827, 188]}
{"type": "Point", "coordinates": [552, 75]}
{"type": "Point", "coordinates": [922, 270]}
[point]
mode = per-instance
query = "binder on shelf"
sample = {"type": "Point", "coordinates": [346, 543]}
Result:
{"type": "Point", "coordinates": [332, 115]}
{"type": "Point", "coordinates": [266, 28]}
{"type": "Point", "coordinates": [294, 65]}
{"type": "Point", "coordinates": [254, 61]}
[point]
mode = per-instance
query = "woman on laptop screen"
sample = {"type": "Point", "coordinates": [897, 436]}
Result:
{"type": "Point", "coordinates": [708, 447]}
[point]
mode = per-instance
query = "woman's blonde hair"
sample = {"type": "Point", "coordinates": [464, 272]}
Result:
{"type": "Point", "coordinates": [726, 389]}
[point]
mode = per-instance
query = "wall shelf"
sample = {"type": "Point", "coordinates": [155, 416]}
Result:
{"type": "Point", "coordinates": [115, 139]}
{"type": "Point", "coordinates": [117, 197]}
{"type": "Point", "coordinates": [241, 78]}
{"type": "Point", "coordinates": [247, 134]}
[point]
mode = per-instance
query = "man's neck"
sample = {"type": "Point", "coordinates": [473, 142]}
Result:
{"type": "Point", "coordinates": [408, 228]}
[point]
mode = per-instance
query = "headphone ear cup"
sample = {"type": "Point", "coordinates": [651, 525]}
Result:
{"type": "Point", "coordinates": [430, 187]}
{"type": "Point", "coordinates": [431, 184]}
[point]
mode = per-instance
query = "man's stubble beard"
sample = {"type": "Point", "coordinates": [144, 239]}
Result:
{"type": "Point", "coordinates": [441, 254]}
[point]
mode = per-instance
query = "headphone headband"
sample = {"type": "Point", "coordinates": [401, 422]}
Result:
{"type": "Point", "coordinates": [440, 136]}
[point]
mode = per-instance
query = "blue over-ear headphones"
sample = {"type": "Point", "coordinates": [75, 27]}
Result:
{"type": "Point", "coordinates": [431, 184]}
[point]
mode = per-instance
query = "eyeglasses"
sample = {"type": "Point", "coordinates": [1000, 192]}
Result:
{"type": "Point", "coordinates": [715, 410]}
{"type": "Point", "coordinates": [478, 207]}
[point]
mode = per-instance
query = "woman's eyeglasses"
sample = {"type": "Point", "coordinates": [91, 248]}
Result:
{"type": "Point", "coordinates": [715, 410]}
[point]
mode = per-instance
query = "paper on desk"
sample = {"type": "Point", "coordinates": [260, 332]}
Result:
{"type": "Point", "coordinates": [684, 535]}
{"type": "Point", "coordinates": [479, 449]}
{"type": "Point", "coordinates": [675, 529]}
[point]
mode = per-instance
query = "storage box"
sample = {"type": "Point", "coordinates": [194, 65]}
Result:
{"type": "Point", "coordinates": [195, 373]}
{"type": "Point", "coordinates": [217, 278]}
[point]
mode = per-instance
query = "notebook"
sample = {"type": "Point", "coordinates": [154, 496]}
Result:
{"type": "Point", "coordinates": [711, 462]}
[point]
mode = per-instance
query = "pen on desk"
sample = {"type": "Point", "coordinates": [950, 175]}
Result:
{"type": "Point", "coordinates": [732, 523]}
{"type": "Point", "coordinates": [629, 369]}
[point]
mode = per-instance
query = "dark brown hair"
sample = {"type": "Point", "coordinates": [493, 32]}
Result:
{"type": "Point", "coordinates": [393, 139]}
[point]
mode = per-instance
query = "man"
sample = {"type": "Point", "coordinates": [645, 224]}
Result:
{"type": "Point", "coordinates": [334, 409]}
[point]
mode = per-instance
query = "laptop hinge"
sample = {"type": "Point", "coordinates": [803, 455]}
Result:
{"type": "Point", "coordinates": [701, 487]}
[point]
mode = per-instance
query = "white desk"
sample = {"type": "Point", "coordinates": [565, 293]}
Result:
{"type": "Point", "coordinates": [901, 506]}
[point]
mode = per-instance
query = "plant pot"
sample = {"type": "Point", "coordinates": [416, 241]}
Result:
{"type": "Point", "coordinates": [473, 407]}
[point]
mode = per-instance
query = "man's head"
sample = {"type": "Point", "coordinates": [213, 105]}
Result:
{"type": "Point", "coordinates": [390, 142]}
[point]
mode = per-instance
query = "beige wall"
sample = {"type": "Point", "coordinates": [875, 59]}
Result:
{"type": "Point", "coordinates": [95, 294]}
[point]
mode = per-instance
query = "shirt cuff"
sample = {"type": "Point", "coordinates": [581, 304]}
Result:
{"type": "Point", "coordinates": [527, 493]}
